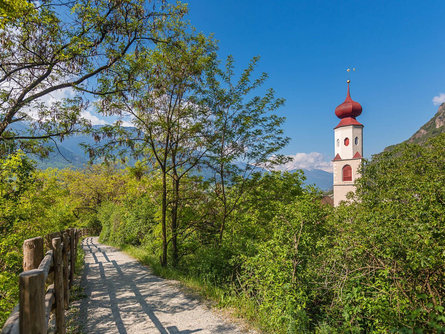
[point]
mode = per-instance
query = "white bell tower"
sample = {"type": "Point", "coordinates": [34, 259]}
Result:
{"type": "Point", "coordinates": [348, 135]}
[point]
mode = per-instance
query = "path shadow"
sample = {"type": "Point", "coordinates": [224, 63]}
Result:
{"type": "Point", "coordinates": [107, 276]}
{"type": "Point", "coordinates": [175, 330]}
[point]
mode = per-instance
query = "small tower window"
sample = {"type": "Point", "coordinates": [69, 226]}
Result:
{"type": "Point", "coordinates": [347, 173]}
{"type": "Point", "coordinates": [338, 142]}
{"type": "Point", "coordinates": [346, 141]}
{"type": "Point", "coordinates": [356, 140]}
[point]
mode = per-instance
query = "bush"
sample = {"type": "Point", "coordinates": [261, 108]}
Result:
{"type": "Point", "coordinates": [126, 224]}
{"type": "Point", "coordinates": [32, 204]}
{"type": "Point", "coordinates": [385, 257]}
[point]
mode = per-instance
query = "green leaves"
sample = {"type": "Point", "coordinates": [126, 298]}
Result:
{"type": "Point", "coordinates": [11, 10]}
{"type": "Point", "coordinates": [74, 50]}
{"type": "Point", "coordinates": [32, 203]}
{"type": "Point", "coordinates": [389, 245]}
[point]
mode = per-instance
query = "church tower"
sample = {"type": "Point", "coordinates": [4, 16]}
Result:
{"type": "Point", "coordinates": [348, 136]}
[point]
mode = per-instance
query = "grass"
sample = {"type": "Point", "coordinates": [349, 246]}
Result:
{"type": "Point", "coordinates": [204, 290]}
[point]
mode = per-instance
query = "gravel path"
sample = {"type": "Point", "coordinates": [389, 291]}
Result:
{"type": "Point", "coordinates": [125, 297]}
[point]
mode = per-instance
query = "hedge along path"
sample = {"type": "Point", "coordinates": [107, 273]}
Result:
{"type": "Point", "coordinates": [124, 296]}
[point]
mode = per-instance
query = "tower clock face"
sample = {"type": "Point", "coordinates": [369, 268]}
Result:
{"type": "Point", "coordinates": [346, 141]}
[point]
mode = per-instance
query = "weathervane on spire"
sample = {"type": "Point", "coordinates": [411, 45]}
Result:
{"type": "Point", "coordinates": [349, 73]}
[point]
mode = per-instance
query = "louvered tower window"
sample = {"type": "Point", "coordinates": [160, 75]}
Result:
{"type": "Point", "coordinates": [347, 173]}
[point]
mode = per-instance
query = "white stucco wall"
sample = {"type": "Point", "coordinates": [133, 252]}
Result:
{"type": "Point", "coordinates": [338, 168]}
{"type": "Point", "coordinates": [341, 188]}
{"type": "Point", "coordinates": [351, 132]}
{"type": "Point", "coordinates": [340, 193]}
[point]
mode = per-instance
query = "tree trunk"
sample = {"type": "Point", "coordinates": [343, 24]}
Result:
{"type": "Point", "coordinates": [221, 229]}
{"type": "Point", "coordinates": [224, 200]}
{"type": "Point", "coordinates": [174, 217]}
{"type": "Point", "coordinates": [164, 214]}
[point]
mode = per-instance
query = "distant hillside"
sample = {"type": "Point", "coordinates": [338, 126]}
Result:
{"type": "Point", "coordinates": [319, 178]}
{"type": "Point", "coordinates": [67, 154]}
{"type": "Point", "coordinates": [433, 127]}
{"type": "Point", "coordinates": [72, 156]}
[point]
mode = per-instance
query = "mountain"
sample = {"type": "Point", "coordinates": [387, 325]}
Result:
{"type": "Point", "coordinates": [320, 178]}
{"type": "Point", "coordinates": [69, 154]}
{"type": "Point", "coordinates": [433, 127]}
{"type": "Point", "coordinates": [317, 177]}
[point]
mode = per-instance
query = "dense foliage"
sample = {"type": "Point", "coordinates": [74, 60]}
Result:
{"type": "Point", "coordinates": [388, 251]}
{"type": "Point", "coordinates": [65, 48]}
{"type": "Point", "coordinates": [291, 263]}
{"type": "Point", "coordinates": [195, 200]}
{"type": "Point", "coordinates": [373, 265]}
{"type": "Point", "coordinates": [32, 203]}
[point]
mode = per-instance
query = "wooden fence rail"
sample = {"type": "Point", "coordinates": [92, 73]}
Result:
{"type": "Point", "coordinates": [45, 282]}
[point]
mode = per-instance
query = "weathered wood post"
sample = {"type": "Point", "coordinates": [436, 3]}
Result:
{"type": "Point", "coordinates": [66, 272]}
{"type": "Point", "coordinates": [58, 286]}
{"type": "Point", "coordinates": [32, 302]}
{"type": "Point", "coordinates": [72, 255]}
{"type": "Point", "coordinates": [32, 253]}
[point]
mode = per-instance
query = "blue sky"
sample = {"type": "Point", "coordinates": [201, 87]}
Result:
{"type": "Point", "coordinates": [305, 46]}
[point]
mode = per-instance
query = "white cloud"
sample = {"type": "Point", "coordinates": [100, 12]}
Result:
{"type": "Point", "coordinates": [58, 95]}
{"type": "Point", "coordinates": [48, 100]}
{"type": "Point", "coordinates": [127, 124]}
{"type": "Point", "coordinates": [313, 160]}
{"type": "Point", "coordinates": [70, 93]}
{"type": "Point", "coordinates": [439, 99]}
{"type": "Point", "coordinates": [93, 119]}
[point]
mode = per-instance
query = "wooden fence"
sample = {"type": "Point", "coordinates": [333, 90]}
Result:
{"type": "Point", "coordinates": [44, 284]}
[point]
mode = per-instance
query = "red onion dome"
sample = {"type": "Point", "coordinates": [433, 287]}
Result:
{"type": "Point", "coordinates": [349, 108]}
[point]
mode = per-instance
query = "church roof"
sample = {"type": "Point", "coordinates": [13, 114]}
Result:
{"type": "Point", "coordinates": [348, 121]}
{"type": "Point", "coordinates": [349, 108]}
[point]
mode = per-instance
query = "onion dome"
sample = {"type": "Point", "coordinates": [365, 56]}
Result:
{"type": "Point", "coordinates": [349, 108]}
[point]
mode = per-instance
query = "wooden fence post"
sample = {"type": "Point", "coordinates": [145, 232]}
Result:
{"type": "Point", "coordinates": [58, 286]}
{"type": "Point", "coordinates": [72, 255]}
{"type": "Point", "coordinates": [32, 302]}
{"type": "Point", "coordinates": [32, 253]}
{"type": "Point", "coordinates": [66, 272]}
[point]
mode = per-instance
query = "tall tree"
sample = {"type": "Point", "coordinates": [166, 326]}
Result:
{"type": "Point", "coordinates": [170, 121]}
{"type": "Point", "coordinates": [67, 47]}
{"type": "Point", "coordinates": [246, 133]}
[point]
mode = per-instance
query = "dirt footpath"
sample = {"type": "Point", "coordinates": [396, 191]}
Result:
{"type": "Point", "coordinates": [125, 297]}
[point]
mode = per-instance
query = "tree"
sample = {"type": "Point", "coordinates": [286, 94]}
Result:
{"type": "Point", "coordinates": [13, 9]}
{"type": "Point", "coordinates": [278, 276]}
{"type": "Point", "coordinates": [384, 258]}
{"type": "Point", "coordinates": [170, 122]}
{"type": "Point", "coordinates": [246, 133]}
{"type": "Point", "coordinates": [68, 47]}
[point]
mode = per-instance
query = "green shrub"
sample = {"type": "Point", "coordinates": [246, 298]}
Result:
{"type": "Point", "coordinates": [32, 203]}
